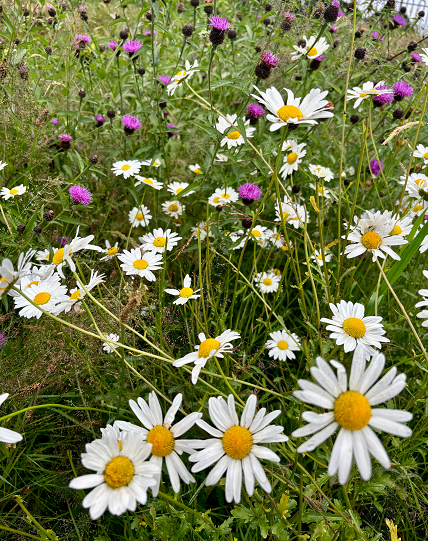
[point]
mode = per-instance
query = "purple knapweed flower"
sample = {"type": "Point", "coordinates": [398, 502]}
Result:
{"type": "Point", "coordinates": [99, 118]}
{"type": "Point", "coordinates": [333, 29]}
{"type": "Point", "coordinates": [65, 138]}
{"type": "Point", "coordinates": [54, 121]}
{"type": "Point", "coordinates": [80, 39]}
{"type": "Point", "coordinates": [402, 90]}
{"type": "Point", "coordinates": [320, 58]}
{"type": "Point", "coordinates": [415, 57]}
{"type": "Point", "coordinates": [289, 16]}
{"type": "Point", "coordinates": [113, 45]}
{"type": "Point", "coordinates": [336, 3]}
{"type": "Point", "coordinates": [80, 148]}
{"type": "Point", "coordinates": [81, 195]}
{"type": "Point", "coordinates": [130, 124]}
{"type": "Point", "coordinates": [340, 14]}
{"type": "Point", "coordinates": [165, 80]}
{"type": "Point", "coordinates": [81, 9]}
{"type": "Point", "coordinates": [2, 339]}
{"type": "Point", "coordinates": [249, 192]}
{"type": "Point", "coordinates": [376, 167]}
{"type": "Point", "coordinates": [399, 20]}
{"type": "Point", "coordinates": [377, 37]}
{"type": "Point", "coordinates": [171, 133]}
{"type": "Point", "coordinates": [383, 98]}
{"type": "Point", "coordinates": [148, 33]}
{"type": "Point", "coordinates": [255, 110]}
{"type": "Point", "coordinates": [269, 60]}
{"type": "Point", "coordinates": [132, 46]}
{"type": "Point", "coordinates": [62, 241]}
{"type": "Point", "coordinates": [220, 23]}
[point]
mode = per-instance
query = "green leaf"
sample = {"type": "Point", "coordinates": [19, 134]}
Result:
{"type": "Point", "coordinates": [242, 513]}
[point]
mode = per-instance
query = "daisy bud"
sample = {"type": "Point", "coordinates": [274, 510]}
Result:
{"type": "Point", "coordinates": [37, 230]}
{"type": "Point", "coordinates": [360, 53]}
{"type": "Point", "coordinates": [20, 229]}
{"type": "Point", "coordinates": [187, 30]}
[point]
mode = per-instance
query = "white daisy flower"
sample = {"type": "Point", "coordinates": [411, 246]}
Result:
{"type": "Point", "coordinates": [196, 169]}
{"type": "Point", "coordinates": [9, 276]}
{"type": "Point", "coordinates": [202, 226]}
{"type": "Point", "coordinates": [323, 192]}
{"type": "Point", "coordinates": [314, 47]}
{"type": "Point", "coordinates": [424, 245]}
{"type": "Point", "coordinates": [373, 235]}
{"type": "Point", "coordinates": [156, 162]}
{"type": "Point", "coordinates": [235, 446]}
{"type": "Point", "coordinates": [351, 329]}
{"type": "Point", "coordinates": [295, 216]}
{"type": "Point", "coordinates": [110, 250]}
{"type": "Point", "coordinates": [177, 187]}
{"type": "Point", "coordinates": [236, 236]}
{"type": "Point", "coordinates": [127, 168]}
{"type": "Point", "coordinates": [43, 255]}
{"type": "Point", "coordinates": [159, 241]}
{"type": "Point", "coordinates": [47, 294]}
{"type": "Point", "coordinates": [77, 294]}
{"type": "Point", "coordinates": [400, 226]}
{"type": "Point", "coordinates": [282, 345]}
{"type": "Point", "coordinates": [163, 436]}
{"type": "Point", "coordinates": [185, 293]}
{"type": "Point", "coordinates": [7, 193]}
{"type": "Point", "coordinates": [321, 172]}
{"type": "Point", "coordinates": [276, 238]}
{"type": "Point", "coordinates": [209, 347]}
{"type": "Point", "coordinates": [149, 182]}
{"type": "Point", "coordinates": [424, 56]}
{"type": "Point", "coordinates": [352, 411]}
{"type": "Point", "coordinates": [136, 263]}
{"type": "Point", "coordinates": [7, 435]}
{"type": "Point", "coordinates": [234, 138]}
{"type": "Point", "coordinates": [317, 257]}
{"type": "Point", "coordinates": [222, 196]}
{"type": "Point", "coordinates": [312, 106]}
{"type": "Point", "coordinates": [63, 256]}
{"type": "Point", "coordinates": [418, 188]}
{"type": "Point", "coordinates": [421, 152]}
{"type": "Point", "coordinates": [424, 302]}
{"type": "Point", "coordinates": [221, 158]}
{"type": "Point", "coordinates": [292, 158]}
{"type": "Point", "coordinates": [36, 275]}
{"type": "Point", "coordinates": [259, 234]}
{"type": "Point", "coordinates": [2, 165]}
{"type": "Point", "coordinates": [172, 208]}
{"type": "Point", "coordinates": [414, 178]}
{"type": "Point", "coordinates": [369, 89]}
{"type": "Point", "coordinates": [268, 282]}
{"type": "Point", "coordinates": [177, 80]}
{"type": "Point", "coordinates": [109, 347]}
{"type": "Point", "coordinates": [139, 216]}
{"type": "Point", "coordinates": [122, 475]}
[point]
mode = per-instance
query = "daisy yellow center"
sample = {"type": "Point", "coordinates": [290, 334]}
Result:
{"type": "Point", "coordinates": [140, 216]}
{"type": "Point", "coordinates": [312, 51]}
{"type": "Point", "coordinates": [282, 344]}
{"type": "Point", "coordinates": [289, 111]}
{"type": "Point", "coordinates": [352, 410]}
{"type": "Point", "coordinates": [34, 282]}
{"type": "Point", "coordinates": [42, 298]}
{"type": "Point", "coordinates": [120, 445]}
{"type": "Point", "coordinates": [76, 294]}
{"type": "Point", "coordinates": [371, 240]}
{"type": "Point", "coordinates": [397, 230]}
{"type": "Point", "coordinates": [159, 242]}
{"type": "Point", "coordinates": [277, 271]}
{"type": "Point", "coordinates": [148, 181]}
{"type": "Point", "coordinates": [226, 196]}
{"type": "Point", "coordinates": [186, 292]}
{"type": "Point", "coordinates": [155, 163]}
{"type": "Point", "coordinates": [178, 190]}
{"type": "Point", "coordinates": [234, 135]}
{"type": "Point", "coordinates": [419, 181]}
{"type": "Point", "coordinates": [426, 155]}
{"type": "Point", "coordinates": [418, 208]}
{"type": "Point", "coordinates": [319, 256]}
{"type": "Point", "coordinates": [216, 200]}
{"type": "Point", "coordinates": [113, 250]}
{"type": "Point", "coordinates": [291, 158]}
{"type": "Point", "coordinates": [354, 327]}
{"type": "Point", "coordinates": [173, 208]}
{"type": "Point", "coordinates": [198, 171]}
{"type": "Point", "coordinates": [267, 282]}
{"type": "Point", "coordinates": [162, 441]}
{"type": "Point", "coordinates": [321, 190]}
{"type": "Point", "coordinates": [58, 256]}
{"type": "Point", "coordinates": [14, 191]}
{"type": "Point", "coordinates": [207, 345]}
{"type": "Point", "coordinates": [237, 442]}
{"type": "Point", "coordinates": [256, 233]}
{"type": "Point", "coordinates": [126, 167]}
{"type": "Point", "coordinates": [140, 264]}
{"type": "Point", "coordinates": [119, 472]}
{"type": "Point", "coordinates": [362, 95]}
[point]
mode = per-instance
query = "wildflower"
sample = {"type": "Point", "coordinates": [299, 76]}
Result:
{"type": "Point", "coordinates": [416, 58]}
{"type": "Point", "coordinates": [376, 166]}
{"type": "Point", "coordinates": [81, 195]}
{"type": "Point", "coordinates": [286, 24]}
{"type": "Point", "coordinates": [196, 169]}
{"type": "Point", "coordinates": [399, 20]}
{"type": "Point", "coordinates": [275, 237]}
{"type": "Point", "coordinates": [80, 40]}
{"type": "Point", "coordinates": [7, 193]}
{"type": "Point", "coordinates": [77, 294]}
{"type": "Point", "coordinates": [219, 26]}
{"type": "Point", "coordinates": [130, 124]}
{"type": "Point", "coordinates": [402, 90]}
{"type": "Point", "coordinates": [122, 475]}
{"type": "Point", "coordinates": [159, 241]}
{"type": "Point", "coordinates": [136, 263]}
{"type": "Point", "coordinates": [312, 47]}
{"type": "Point", "coordinates": [177, 187]}
{"type": "Point", "coordinates": [317, 257]}
{"type": "Point", "coordinates": [282, 345]}
{"type": "Point", "coordinates": [100, 120]}
{"type": "Point", "coordinates": [131, 47]}
{"type": "Point", "coordinates": [377, 37]}
{"type": "Point", "coordinates": [268, 282]}
{"type": "Point", "coordinates": [222, 157]}
{"type": "Point", "coordinates": [424, 56]}
{"type": "Point", "coordinates": [254, 112]}
{"type": "Point", "coordinates": [294, 215]}
{"type": "Point", "coordinates": [209, 347]}
{"type": "Point", "coordinates": [2, 165]}
{"type": "Point", "coordinates": [62, 241]}
{"type": "Point", "coordinates": [152, 163]}
{"type": "Point", "coordinates": [110, 250]}
{"type": "Point", "coordinates": [369, 89]}
{"type": "Point", "coordinates": [185, 293]}
{"type": "Point", "coordinates": [323, 192]}
{"type": "Point", "coordinates": [296, 111]}
{"type": "Point", "coordinates": [352, 411]}
{"type": "Point", "coordinates": [10, 277]}
{"type": "Point", "coordinates": [172, 208]}
{"type": "Point", "coordinates": [382, 99]}
{"type": "Point", "coordinates": [109, 347]}
{"type": "Point", "coordinates": [291, 161]}
{"type": "Point", "coordinates": [321, 172]}
{"type": "Point", "coordinates": [113, 45]}
{"type": "Point", "coordinates": [259, 234]}
{"type": "Point", "coordinates": [223, 196]}
{"type": "Point", "coordinates": [47, 294]}
{"type": "Point", "coordinates": [54, 121]}
{"type": "Point", "coordinates": [2, 342]}
{"type": "Point", "coordinates": [234, 138]}
{"type": "Point", "coordinates": [392, 530]}
{"type": "Point", "coordinates": [65, 138]}
{"type": "Point", "coordinates": [249, 193]}
{"type": "Point", "coordinates": [181, 75]}
{"type": "Point", "coordinates": [424, 302]}
{"type": "Point", "coordinates": [165, 80]}
{"type": "Point", "coordinates": [268, 61]}
{"type": "Point", "coordinates": [235, 446]}
{"type": "Point", "coordinates": [64, 255]}
{"type": "Point", "coordinates": [6, 435]}
{"type": "Point", "coordinates": [148, 181]}
{"type": "Point", "coordinates": [171, 133]}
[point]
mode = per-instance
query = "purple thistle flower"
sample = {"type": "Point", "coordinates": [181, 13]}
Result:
{"type": "Point", "coordinates": [81, 9]}
{"type": "Point", "coordinates": [249, 192]}
{"type": "Point", "coordinates": [399, 20]}
{"type": "Point", "coordinates": [340, 14]}
{"type": "Point", "coordinates": [269, 60]}
{"type": "Point", "coordinates": [54, 121]}
{"type": "Point", "coordinates": [376, 167]}
{"type": "Point", "coordinates": [336, 3]}
{"type": "Point", "coordinates": [165, 80]}
{"type": "Point", "coordinates": [80, 148]}
{"type": "Point", "coordinates": [289, 16]}
{"type": "Point", "coordinates": [79, 38]}
{"type": "Point", "coordinates": [65, 138]}
{"type": "Point", "coordinates": [377, 37]}
{"type": "Point", "coordinates": [130, 123]}
{"type": "Point", "coordinates": [171, 133]}
{"type": "Point", "coordinates": [333, 29]}
{"type": "Point", "coordinates": [2, 339]}
{"type": "Point", "coordinates": [402, 90]}
{"type": "Point", "coordinates": [99, 118]}
{"type": "Point", "coordinates": [255, 110]}
{"type": "Point", "coordinates": [148, 33]}
{"type": "Point", "coordinates": [415, 57]}
{"type": "Point", "coordinates": [62, 241]}
{"type": "Point", "coordinates": [320, 58]}
{"type": "Point", "coordinates": [383, 98]}
{"type": "Point", "coordinates": [81, 195]}
{"type": "Point", "coordinates": [220, 23]}
{"type": "Point", "coordinates": [132, 46]}
{"type": "Point", "coordinates": [113, 45]}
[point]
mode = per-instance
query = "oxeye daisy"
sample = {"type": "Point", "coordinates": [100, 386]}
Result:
{"type": "Point", "coordinates": [292, 157]}
{"type": "Point", "coordinates": [185, 293]}
{"type": "Point", "coordinates": [221, 158]}
{"type": "Point", "coordinates": [177, 187]}
{"type": "Point", "coordinates": [234, 138]}
{"type": "Point", "coordinates": [126, 168]}
{"type": "Point", "coordinates": [47, 294]}
{"type": "Point", "coordinates": [7, 193]}
{"type": "Point", "coordinates": [268, 282]}
{"type": "Point", "coordinates": [276, 238]}
{"type": "Point", "coordinates": [110, 250]}
{"type": "Point", "coordinates": [352, 411]}
{"type": "Point", "coordinates": [159, 241]}
{"type": "Point", "coordinates": [421, 152]}
{"type": "Point", "coordinates": [235, 446]}
{"type": "Point", "coordinates": [209, 347]}
{"type": "Point", "coordinates": [177, 80]}
{"type": "Point", "coordinates": [2, 165]}
{"type": "Point", "coordinates": [258, 233]}
{"type": "Point", "coordinates": [317, 257]}
{"type": "Point", "coordinates": [222, 196]}
{"type": "Point", "coordinates": [296, 110]}
{"type": "Point", "coordinates": [152, 163]}
{"type": "Point", "coordinates": [135, 263]}
{"type": "Point", "coordinates": [369, 89]}
{"type": "Point", "coordinates": [282, 345]}
{"type": "Point", "coordinates": [172, 208]}
{"type": "Point", "coordinates": [122, 475]}
{"type": "Point", "coordinates": [424, 302]}
{"type": "Point", "coordinates": [148, 182]}
{"type": "Point", "coordinates": [77, 293]}
{"type": "Point", "coordinates": [323, 192]}
{"type": "Point", "coordinates": [109, 346]}
{"type": "Point", "coordinates": [314, 47]}
{"type": "Point", "coordinates": [294, 215]}
{"type": "Point", "coordinates": [373, 235]}
{"type": "Point", "coordinates": [424, 56]}
{"type": "Point", "coordinates": [140, 216]}
{"type": "Point", "coordinates": [196, 169]}
{"type": "Point", "coordinates": [321, 172]}
{"type": "Point", "coordinates": [202, 226]}
{"type": "Point", "coordinates": [351, 329]}
{"type": "Point", "coordinates": [7, 435]}
{"type": "Point", "coordinates": [400, 226]}
{"type": "Point", "coordinates": [163, 435]}
{"type": "Point", "coordinates": [9, 276]}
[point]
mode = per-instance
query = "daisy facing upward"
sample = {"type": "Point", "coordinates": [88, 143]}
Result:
{"type": "Point", "coordinates": [233, 138]}
{"type": "Point", "coordinates": [185, 293]}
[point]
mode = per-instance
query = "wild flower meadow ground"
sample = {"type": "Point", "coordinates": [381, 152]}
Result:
{"type": "Point", "coordinates": [213, 277]}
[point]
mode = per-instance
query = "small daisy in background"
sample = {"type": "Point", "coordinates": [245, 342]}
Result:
{"type": "Point", "coordinates": [313, 47]}
{"type": "Point", "coordinates": [152, 163]}
{"type": "Point", "coordinates": [424, 302]}
{"type": "Point", "coordinates": [9, 276]}
{"type": "Point", "coordinates": [110, 250]}
{"type": "Point", "coordinates": [136, 263]}
{"type": "Point", "coordinates": [268, 282]}
{"type": "Point", "coordinates": [234, 138]}
{"type": "Point", "coordinates": [172, 208]}
{"type": "Point", "coordinates": [7, 193]}
{"type": "Point", "coordinates": [350, 328]}
{"type": "Point", "coordinates": [421, 152]}
{"type": "Point", "coordinates": [293, 156]}
{"type": "Point", "coordinates": [185, 293]}
{"type": "Point", "coordinates": [177, 187]}
{"type": "Point", "coordinates": [321, 172]}
{"type": "Point", "coordinates": [209, 347]}
{"type": "Point", "coordinates": [77, 294]}
{"type": "Point", "coordinates": [159, 240]}
{"type": "Point", "coordinates": [221, 196]}
{"type": "Point", "coordinates": [202, 226]}
{"type": "Point", "coordinates": [317, 257]}
{"type": "Point", "coordinates": [369, 89]}
{"type": "Point", "coordinates": [177, 80]}
{"type": "Point", "coordinates": [323, 192]}
{"type": "Point", "coordinates": [400, 226]}
{"type": "Point", "coordinates": [222, 158]}
{"type": "Point", "coordinates": [295, 216]}
{"type": "Point", "coordinates": [148, 182]}
{"type": "Point", "coordinates": [127, 168]}
{"type": "Point", "coordinates": [259, 234]}
{"type": "Point", "coordinates": [282, 345]}
{"type": "Point", "coordinates": [140, 216]}
{"type": "Point", "coordinates": [2, 165]}
{"type": "Point", "coordinates": [109, 347]}
{"type": "Point", "coordinates": [424, 56]}
{"type": "Point", "coordinates": [7, 435]}
{"type": "Point", "coordinates": [196, 169]}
